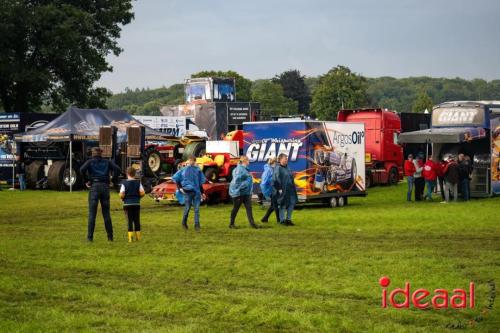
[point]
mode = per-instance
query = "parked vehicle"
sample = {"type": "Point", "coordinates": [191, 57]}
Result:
{"type": "Point", "coordinates": [326, 158]}
{"type": "Point", "coordinates": [215, 192]}
{"type": "Point", "coordinates": [471, 128]}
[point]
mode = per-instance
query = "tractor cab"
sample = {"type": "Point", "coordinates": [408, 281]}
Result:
{"type": "Point", "coordinates": [211, 89]}
{"type": "Point", "coordinates": [220, 160]}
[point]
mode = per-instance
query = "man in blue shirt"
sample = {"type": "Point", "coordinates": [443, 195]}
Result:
{"type": "Point", "coordinates": [190, 180]}
{"type": "Point", "coordinates": [96, 172]}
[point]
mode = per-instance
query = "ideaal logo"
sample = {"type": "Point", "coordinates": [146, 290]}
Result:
{"type": "Point", "coordinates": [459, 299]}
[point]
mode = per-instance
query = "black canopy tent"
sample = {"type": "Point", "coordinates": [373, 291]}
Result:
{"type": "Point", "coordinates": [83, 124]}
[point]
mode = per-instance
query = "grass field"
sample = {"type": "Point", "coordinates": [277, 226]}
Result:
{"type": "Point", "coordinates": [319, 276]}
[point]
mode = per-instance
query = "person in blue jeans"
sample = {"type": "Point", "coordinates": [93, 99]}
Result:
{"type": "Point", "coordinates": [266, 186]}
{"type": "Point", "coordinates": [21, 173]}
{"type": "Point", "coordinates": [190, 180]}
{"type": "Point", "coordinates": [409, 169]}
{"type": "Point", "coordinates": [284, 190]}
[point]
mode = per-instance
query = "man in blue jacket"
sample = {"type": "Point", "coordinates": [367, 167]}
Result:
{"type": "Point", "coordinates": [96, 172]}
{"type": "Point", "coordinates": [240, 189]}
{"type": "Point", "coordinates": [284, 190]}
{"type": "Point", "coordinates": [190, 180]}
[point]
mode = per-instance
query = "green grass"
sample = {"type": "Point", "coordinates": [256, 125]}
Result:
{"type": "Point", "coordinates": [320, 276]}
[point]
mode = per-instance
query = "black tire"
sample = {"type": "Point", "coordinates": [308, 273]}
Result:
{"type": "Point", "coordinates": [393, 177]}
{"type": "Point", "coordinates": [196, 149]}
{"type": "Point", "coordinates": [368, 180]}
{"type": "Point", "coordinates": [147, 184]}
{"type": "Point", "coordinates": [212, 174]}
{"type": "Point", "coordinates": [59, 176]}
{"type": "Point", "coordinates": [341, 201]}
{"type": "Point", "coordinates": [334, 202]}
{"type": "Point", "coordinates": [34, 173]}
{"type": "Point", "coordinates": [152, 161]}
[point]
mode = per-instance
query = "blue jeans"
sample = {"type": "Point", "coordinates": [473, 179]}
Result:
{"type": "Point", "coordinates": [431, 184]}
{"type": "Point", "coordinates": [99, 192]}
{"type": "Point", "coordinates": [22, 182]}
{"type": "Point", "coordinates": [191, 199]}
{"type": "Point", "coordinates": [465, 189]}
{"type": "Point", "coordinates": [409, 179]}
{"type": "Point", "coordinates": [287, 209]}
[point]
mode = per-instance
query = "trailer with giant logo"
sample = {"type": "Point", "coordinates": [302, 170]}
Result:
{"type": "Point", "coordinates": [327, 158]}
{"type": "Point", "coordinates": [471, 128]}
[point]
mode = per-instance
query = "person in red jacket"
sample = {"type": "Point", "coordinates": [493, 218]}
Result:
{"type": "Point", "coordinates": [409, 169]}
{"type": "Point", "coordinates": [440, 175]}
{"type": "Point", "coordinates": [430, 176]}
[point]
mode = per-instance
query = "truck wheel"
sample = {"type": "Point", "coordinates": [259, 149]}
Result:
{"type": "Point", "coordinates": [212, 174]}
{"type": "Point", "coordinates": [196, 149]}
{"type": "Point", "coordinates": [393, 176]}
{"type": "Point", "coordinates": [368, 180]}
{"type": "Point", "coordinates": [34, 172]}
{"type": "Point", "coordinates": [341, 201]}
{"type": "Point", "coordinates": [60, 176]}
{"type": "Point", "coordinates": [153, 162]}
{"type": "Point", "coordinates": [333, 202]}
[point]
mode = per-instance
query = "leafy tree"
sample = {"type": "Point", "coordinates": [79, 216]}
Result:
{"type": "Point", "coordinates": [422, 103]}
{"type": "Point", "coordinates": [54, 51]}
{"type": "Point", "coordinates": [271, 99]}
{"type": "Point", "coordinates": [294, 87]}
{"type": "Point", "coordinates": [339, 88]}
{"type": "Point", "coordinates": [243, 85]}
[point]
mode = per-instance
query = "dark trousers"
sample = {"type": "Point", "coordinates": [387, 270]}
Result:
{"type": "Point", "coordinates": [441, 186]}
{"type": "Point", "coordinates": [133, 214]}
{"type": "Point", "coordinates": [272, 208]}
{"type": "Point", "coordinates": [99, 192]}
{"type": "Point", "coordinates": [246, 200]}
{"type": "Point", "coordinates": [465, 188]}
{"type": "Point", "coordinates": [419, 188]}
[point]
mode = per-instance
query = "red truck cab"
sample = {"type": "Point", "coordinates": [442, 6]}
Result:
{"type": "Point", "coordinates": [383, 155]}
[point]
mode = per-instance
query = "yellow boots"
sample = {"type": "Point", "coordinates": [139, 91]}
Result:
{"type": "Point", "coordinates": [131, 236]}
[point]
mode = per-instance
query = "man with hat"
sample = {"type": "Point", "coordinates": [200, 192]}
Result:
{"type": "Point", "coordinates": [96, 172]}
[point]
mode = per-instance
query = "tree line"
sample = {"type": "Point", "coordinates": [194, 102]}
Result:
{"type": "Point", "coordinates": [291, 93]}
{"type": "Point", "coordinates": [53, 52]}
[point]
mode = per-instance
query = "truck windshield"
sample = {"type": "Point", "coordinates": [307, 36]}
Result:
{"type": "Point", "coordinates": [198, 92]}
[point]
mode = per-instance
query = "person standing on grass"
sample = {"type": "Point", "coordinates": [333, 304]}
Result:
{"type": "Point", "coordinates": [465, 170]}
{"type": "Point", "coordinates": [419, 180]}
{"type": "Point", "coordinates": [131, 193]}
{"type": "Point", "coordinates": [430, 177]}
{"type": "Point", "coordinates": [240, 189]}
{"type": "Point", "coordinates": [96, 172]}
{"type": "Point", "coordinates": [21, 173]}
{"type": "Point", "coordinates": [409, 169]}
{"type": "Point", "coordinates": [440, 175]}
{"type": "Point", "coordinates": [266, 186]}
{"type": "Point", "coordinates": [190, 180]}
{"type": "Point", "coordinates": [451, 179]}
{"type": "Point", "coordinates": [284, 190]}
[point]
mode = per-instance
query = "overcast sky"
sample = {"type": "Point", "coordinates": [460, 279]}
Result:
{"type": "Point", "coordinates": [169, 40]}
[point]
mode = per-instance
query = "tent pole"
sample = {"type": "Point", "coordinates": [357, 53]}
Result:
{"type": "Point", "coordinates": [70, 164]}
{"type": "Point", "coordinates": [14, 171]}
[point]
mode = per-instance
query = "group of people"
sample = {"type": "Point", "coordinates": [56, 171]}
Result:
{"type": "Point", "coordinates": [449, 173]}
{"type": "Point", "coordinates": [277, 186]}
